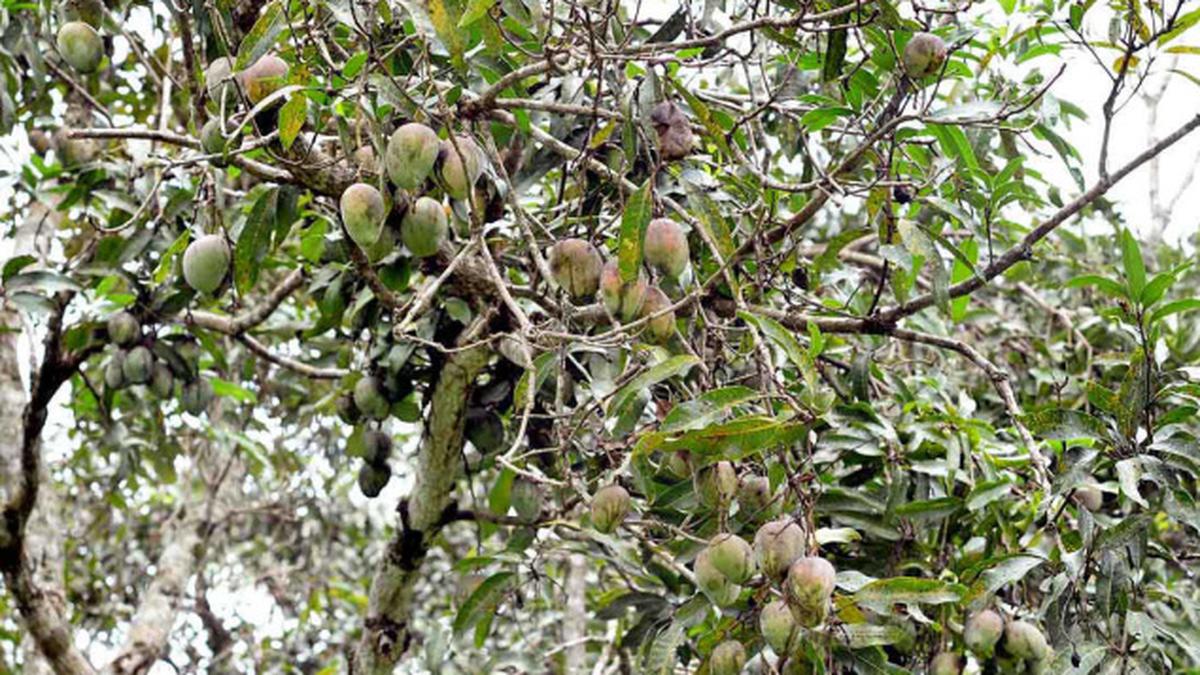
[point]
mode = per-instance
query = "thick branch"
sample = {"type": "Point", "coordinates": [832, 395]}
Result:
{"type": "Point", "coordinates": [43, 612]}
{"type": "Point", "coordinates": [259, 169]}
{"type": "Point", "coordinates": [386, 633]}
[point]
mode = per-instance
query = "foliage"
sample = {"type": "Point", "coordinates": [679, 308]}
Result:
{"type": "Point", "coordinates": [968, 386]}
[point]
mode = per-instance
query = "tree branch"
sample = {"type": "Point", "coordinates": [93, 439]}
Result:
{"type": "Point", "coordinates": [1023, 250]}
{"type": "Point", "coordinates": [386, 632]}
{"type": "Point", "coordinates": [42, 610]}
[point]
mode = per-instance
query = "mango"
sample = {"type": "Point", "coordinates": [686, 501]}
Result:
{"type": "Point", "coordinates": [1025, 641]}
{"type": "Point", "coordinates": [923, 55]}
{"type": "Point", "coordinates": [459, 171]}
{"type": "Point", "coordinates": [412, 152]}
{"type": "Point", "coordinates": [114, 372]}
{"type": "Point", "coordinates": [369, 398]}
{"type": "Point", "coordinates": [196, 395]}
{"type": "Point", "coordinates": [162, 381]}
{"type": "Point", "coordinates": [777, 545]}
{"type": "Point", "coordinates": [80, 46]}
{"type": "Point", "coordinates": [719, 589]}
{"type": "Point", "coordinates": [610, 505]}
{"type": "Point", "coordinates": [946, 663]}
{"type": "Point", "coordinates": [264, 77]}
{"type": "Point", "coordinates": [124, 329]}
{"type": "Point", "coordinates": [623, 300]}
{"type": "Point", "coordinates": [206, 262]}
{"type": "Point", "coordinates": [665, 247]}
{"type": "Point", "coordinates": [728, 658]}
{"type": "Point", "coordinates": [660, 328]}
{"type": "Point", "coordinates": [576, 266]}
{"type": "Point", "coordinates": [808, 588]}
{"type": "Point", "coordinates": [139, 365]}
{"type": "Point", "coordinates": [372, 479]}
{"type": "Point", "coordinates": [424, 229]}
{"type": "Point", "coordinates": [363, 213]}
{"type": "Point", "coordinates": [526, 499]}
{"type": "Point", "coordinates": [732, 556]}
{"type": "Point", "coordinates": [982, 631]}
{"type": "Point", "coordinates": [377, 447]}
{"type": "Point", "coordinates": [220, 84]}
{"type": "Point", "coordinates": [715, 484]}
{"type": "Point", "coordinates": [777, 626]}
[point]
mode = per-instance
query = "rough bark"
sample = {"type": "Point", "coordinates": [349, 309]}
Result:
{"type": "Point", "coordinates": [386, 632]}
{"type": "Point", "coordinates": [151, 625]}
{"type": "Point", "coordinates": [574, 633]}
{"type": "Point", "coordinates": [30, 530]}
{"type": "Point", "coordinates": [43, 541]}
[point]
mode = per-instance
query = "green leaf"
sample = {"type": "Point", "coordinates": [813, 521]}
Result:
{"type": "Point", "coordinates": [883, 593]}
{"type": "Point", "coordinates": [835, 55]}
{"type": "Point", "coordinates": [291, 118]}
{"type": "Point", "coordinates": [353, 65]}
{"type": "Point", "coordinates": [732, 440]}
{"type": "Point", "coordinates": [16, 264]}
{"type": "Point", "coordinates": [707, 408]}
{"type": "Point", "coordinates": [986, 493]}
{"type": "Point", "coordinates": [1108, 286]}
{"type": "Point", "coordinates": [1175, 307]}
{"type": "Point", "coordinates": [954, 143]}
{"type": "Point", "coordinates": [929, 508]}
{"type": "Point", "coordinates": [1123, 532]}
{"type": "Point", "coordinates": [482, 601]}
{"type": "Point", "coordinates": [1181, 25]}
{"type": "Point", "coordinates": [543, 365]}
{"type": "Point", "coordinates": [1009, 570]}
{"type": "Point", "coordinates": [781, 337]}
{"type": "Point", "coordinates": [661, 657]}
{"type": "Point", "coordinates": [1135, 268]}
{"type": "Point", "coordinates": [476, 10]}
{"type": "Point", "coordinates": [1157, 288]}
{"type": "Point", "coordinates": [444, 15]}
{"type": "Point", "coordinates": [253, 240]}
{"type": "Point", "coordinates": [633, 231]}
{"type": "Point", "coordinates": [676, 365]}
{"type": "Point", "coordinates": [262, 36]}
{"type": "Point", "coordinates": [1129, 474]}
{"type": "Point", "coordinates": [818, 118]}
{"type": "Point", "coordinates": [45, 282]}
{"type": "Point", "coordinates": [1064, 425]}
{"type": "Point", "coordinates": [919, 243]}
{"type": "Point", "coordinates": [232, 390]}
{"type": "Point", "coordinates": [829, 257]}
{"type": "Point", "coordinates": [857, 636]}
{"type": "Point", "coordinates": [500, 494]}
{"type": "Point", "coordinates": [961, 271]}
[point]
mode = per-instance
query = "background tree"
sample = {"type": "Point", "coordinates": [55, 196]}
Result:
{"type": "Point", "coordinates": [590, 337]}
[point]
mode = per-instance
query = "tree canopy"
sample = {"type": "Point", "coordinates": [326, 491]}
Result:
{"type": "Point", "coordinates": [592, 336]}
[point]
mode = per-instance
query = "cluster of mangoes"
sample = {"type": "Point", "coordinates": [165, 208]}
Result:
{"type": "Point", "coordinates": [133, 363]}
{"type": "Point", "coordinates": [805, 583]}
{"type": "Point", "coordinates": [1014, 646]}
{"type": "Point", "coordinates": [580, 270]}
{"type": "Point", "coordinates": [414, 155]}
{"type": "Point", "coordinates": [370, 401]}
{"type": "Point", "coordinates": [728, 562]}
